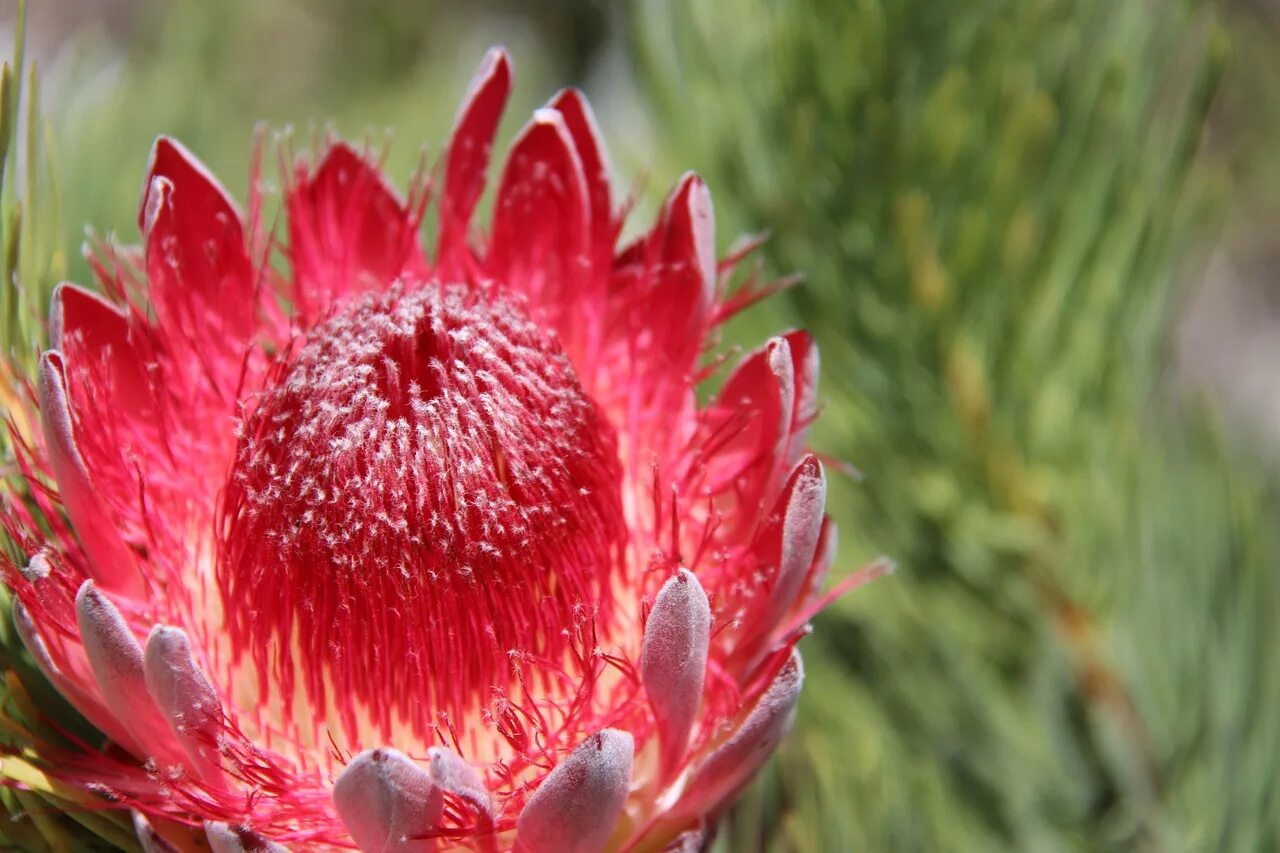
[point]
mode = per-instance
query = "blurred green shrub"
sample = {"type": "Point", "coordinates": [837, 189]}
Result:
{"type": "Point", "coordinates": [992, 202]}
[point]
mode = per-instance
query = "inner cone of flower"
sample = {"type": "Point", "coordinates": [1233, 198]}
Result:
{"type": "Point", "coordinates": [343, 542]}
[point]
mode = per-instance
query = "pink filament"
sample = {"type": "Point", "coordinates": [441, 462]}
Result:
{"type": "Point", "coordinates": [422, 495]}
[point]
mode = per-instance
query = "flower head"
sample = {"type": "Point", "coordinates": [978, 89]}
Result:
{"type": "Point", "coordinates": [404, 551]}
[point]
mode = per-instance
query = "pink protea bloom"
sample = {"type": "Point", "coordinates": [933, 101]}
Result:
{"type": "Point", "coordinates": [407, 553]}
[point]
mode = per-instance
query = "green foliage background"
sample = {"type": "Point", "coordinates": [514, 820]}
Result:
{"type": "Point", "coordinates": [996, 204]}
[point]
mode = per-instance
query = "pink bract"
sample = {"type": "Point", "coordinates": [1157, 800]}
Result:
{"type": "Point", "coordinates": [409, 552]}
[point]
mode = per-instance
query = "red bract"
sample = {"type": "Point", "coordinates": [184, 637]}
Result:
{"type": "Point", "coordinates": [411, 553]}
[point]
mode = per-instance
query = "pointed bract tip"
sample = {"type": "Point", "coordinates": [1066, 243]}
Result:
{"type": "Point", "coordinates": [496, 58]}
{"type": "Point", "coordinates": [84, 306]}
{"type": "Point", "coordinates": [224, 838]}
{"type": "Point", "coordinates": [453, 774]}
{"type": "Point", "coordinates": [732, 764]}
{"type": "Point", "coordinates": [566, 96]}
{"type": "Point", "coordinates": [87, 595]}
{"type": "Point", "coordinates": [495, 72]}
{"type": "Point", "coordinates": [171, 161]}
{"type": "Point", "coordinates": [388, 802]}
{"type": "Point", "coordinates": [673, 662]}
{"type": "Point", "coordinates": [185, 697]}
{"type": "Point", "coordinates": [576, 807]}
{"type": "Point", "coordinates": [702, 227]}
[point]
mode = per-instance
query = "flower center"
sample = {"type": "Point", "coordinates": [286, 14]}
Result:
{"type": "Point", "coordinates": [422, 495]}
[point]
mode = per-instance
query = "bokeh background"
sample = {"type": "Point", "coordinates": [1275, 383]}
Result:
{"type": "Point", "coordinates": [1038, 241]}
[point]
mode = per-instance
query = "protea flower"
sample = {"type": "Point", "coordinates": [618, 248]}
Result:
{"type": "Point", "coordinates": [402, 553]}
